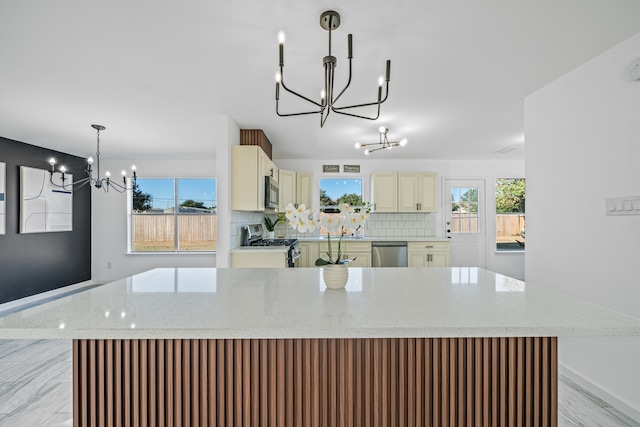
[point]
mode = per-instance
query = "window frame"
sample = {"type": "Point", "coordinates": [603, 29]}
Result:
{"type": "Point", "coordinates": [176, 216]}
{"type": "Point", "coordinates": [520, 242]}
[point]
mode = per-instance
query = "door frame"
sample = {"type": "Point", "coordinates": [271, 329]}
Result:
{"type": "Point", "coordinates": [482, 210]}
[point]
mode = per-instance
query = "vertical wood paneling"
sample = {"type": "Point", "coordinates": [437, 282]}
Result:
{"type": "Point", "coordinates": [313, 382]}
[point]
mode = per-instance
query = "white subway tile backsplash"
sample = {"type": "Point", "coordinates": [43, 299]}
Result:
{"type": "Point", "coordinates": [401, 224]}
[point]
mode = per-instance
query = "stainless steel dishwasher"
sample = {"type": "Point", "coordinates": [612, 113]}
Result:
{"type": "Point", "coordinates": [388, 254]}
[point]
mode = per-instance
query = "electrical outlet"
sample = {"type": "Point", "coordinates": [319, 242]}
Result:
{"type": "Point", "coordinates": [616, 206]}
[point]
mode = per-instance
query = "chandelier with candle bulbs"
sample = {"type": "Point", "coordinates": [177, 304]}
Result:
{"type": "Point", "coordinates": [384, 142]}
{"type": "Point", "coordinates": [104, 183]}
{"type": "Point", "coordinates": [330, 20]}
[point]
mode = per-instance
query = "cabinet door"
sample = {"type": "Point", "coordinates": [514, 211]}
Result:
{"type": "Point", "coordinates": [428, 196]}
{"type": "Point", "coordinates": [308, 254]}
{"type": "Point", "coordinates": [247, 180]}
{"type": "Point", "coordinates": [361, 260]}
{"type": "Point", "coordinates": [384, 187]}
{"type": "Point", "coordinates": [439, 259]}
{"type": "Point", "coordinates": [408, 192]}
{"type": "Point", "coordinates": [417, 260]}
{"type": "Point", "coordinates": [287, 185]}
{"type": "Point", "coordinates": [303, 190]}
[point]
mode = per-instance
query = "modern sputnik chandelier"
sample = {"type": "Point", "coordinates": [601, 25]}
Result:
{"type": "Point", "coordinates": [105, 183]}
{"type": "Point", "coordinates": [384, 142]}
{"type": "Point", "coordinates": [330, 20]}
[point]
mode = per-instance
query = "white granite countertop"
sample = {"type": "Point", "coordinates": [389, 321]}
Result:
{"type": "Point", "coordinates": [282, 249]}
{"type": "Point", "coordinates": [373, 239]}
{"type": "Point", "coordinates": [294, 303]}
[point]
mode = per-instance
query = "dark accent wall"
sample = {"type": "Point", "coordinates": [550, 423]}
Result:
{"type": "Point", "coordinates": [39, 262]}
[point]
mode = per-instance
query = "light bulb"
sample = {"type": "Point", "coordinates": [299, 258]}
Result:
{"type": "Point", "coordinates": [382, 129]}
{"type": "Point", "coordinates": [278, 77]}
{"type": "Point", "coordinates": [133, 167]}
{"type": "Point", "coordinates": [90, 160]}
{"type": "Point", "coordinates": [281, 37]}
{"type": "Point", "coordinates": [403, 142]}
{"type": "Point", "coordinates": [107, 174]}
{"type": "Point", "coordinates": [52, 161]}
{"type": "Point", "coordinates": [367, 152]}
{"type": "Point", "coordinates": [380, 80]}
{"type": "Point", "coordinates": [124, 172]}
{"type": "Point", "coordinates": [106, 313]}
{"type": "Point", "coordinates": [323, 94]}
{"type": "Point", "coordinates": [63, 169]}
{"type": "Point", "coordinates": [357, 145]}
{"type": "Point", "coordinates": [122, 314]}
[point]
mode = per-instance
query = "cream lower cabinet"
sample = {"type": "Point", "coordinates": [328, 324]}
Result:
{"type": "Point", "coordinates": [428, 254]}
{"type": "Point", "coordinates": [308, 254]}
{"type": "Point", "coordinates": [359, 250]}
{"type": "Point", "coordinates": [259, 259]}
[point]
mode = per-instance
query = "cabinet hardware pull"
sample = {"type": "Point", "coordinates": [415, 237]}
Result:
{"type": "Point", "coordinates": [429, 247]}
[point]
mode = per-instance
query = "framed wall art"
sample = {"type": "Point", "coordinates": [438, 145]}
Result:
{"type": "Point", "coordinates": [45, 205]}
{"type": "Point", "coordinates": [3, 208]}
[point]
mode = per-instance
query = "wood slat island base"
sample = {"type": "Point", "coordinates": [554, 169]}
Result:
{"type": "Point", "coordinates": [316, 382]}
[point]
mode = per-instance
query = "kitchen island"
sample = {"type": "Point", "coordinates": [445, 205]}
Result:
{"type": "Point", "coordinates": [398, 346]}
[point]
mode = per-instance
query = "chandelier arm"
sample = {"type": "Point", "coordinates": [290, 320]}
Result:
{"type": "Point", "coordinates": [335, 110]}
{"type": "Point", "coordinates": [64, 186]}
{"type": "Point", "coordinates": [294, 114]}
{"type": "Point", "coordinates": [293, 92]}
{"type": "Point", "coordinates": [378, 103]}
{"type": "Point", "coordinates": [345, 88]}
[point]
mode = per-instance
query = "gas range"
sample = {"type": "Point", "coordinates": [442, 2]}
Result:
{"type": "Point", "coordinates": [252, 236]}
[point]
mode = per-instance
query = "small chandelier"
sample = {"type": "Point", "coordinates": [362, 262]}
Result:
{"type": "Point", "coordinates": [384, 142]}
{"type": "Point", "coordinates": [105, 183]}
{"type": "Point", "coordinates": [330, 20]}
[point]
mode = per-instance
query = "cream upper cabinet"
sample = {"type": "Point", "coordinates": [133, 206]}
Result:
{"type": "Point", "coordinates": [249, 166]}
{"type": "Point", "coordinates": [384, 191]}
{"type": "Point", "coordinates": [288, 187]}
{"type": "Point", "coordinates": [295, 188]}
{"type": "Point", "coordinates": [417, 192]}
{"type": "Point", "coordinates": [303, 190]}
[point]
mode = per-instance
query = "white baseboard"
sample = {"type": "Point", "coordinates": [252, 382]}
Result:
{"type": "Point", "coordinates": [44, 295]}
{"type": "Point", "coordinates": [613, 400]}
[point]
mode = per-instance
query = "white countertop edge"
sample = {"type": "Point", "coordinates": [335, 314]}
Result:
{"type": "Point", "coordinates": [372, 239]}
{"type": "Point", "coordinates": [440, 332]}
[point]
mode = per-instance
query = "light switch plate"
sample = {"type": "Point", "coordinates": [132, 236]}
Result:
{"type": "Point", "coordinates": [616, 206]}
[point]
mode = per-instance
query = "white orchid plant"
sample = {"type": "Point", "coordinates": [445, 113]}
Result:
{"type": "Point", "coordinates": [302, 219]}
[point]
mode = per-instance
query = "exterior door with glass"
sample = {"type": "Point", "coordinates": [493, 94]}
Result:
{"type": "Point", "coordinates": [465, 222]}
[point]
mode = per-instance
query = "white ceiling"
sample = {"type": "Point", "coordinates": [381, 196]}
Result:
{"type": "Point", "coordinates": [157, 72]}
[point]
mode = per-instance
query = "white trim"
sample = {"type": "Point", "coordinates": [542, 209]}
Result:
{"type": "Point", "coordinates": [621, 405]}
{"type": "Point", "coordinates": [44, 295]}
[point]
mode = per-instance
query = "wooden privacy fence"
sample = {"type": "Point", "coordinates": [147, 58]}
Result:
{"type": "Point", "coordinates": [157, 228]}
{"type": "Point", "coordinates": [507, 224]}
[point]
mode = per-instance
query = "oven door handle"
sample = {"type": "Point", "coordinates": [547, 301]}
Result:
{"type": "Point", "coordinates": [296, 255]}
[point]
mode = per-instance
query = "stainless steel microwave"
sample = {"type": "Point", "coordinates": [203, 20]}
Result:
{"type": "Point", "coordinates": [271, 193]}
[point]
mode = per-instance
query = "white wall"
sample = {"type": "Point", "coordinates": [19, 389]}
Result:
{"type": "Point", "coordinates": [582, 146]}
{"type": "Point", "coordinates": [511, 264]}
{"type": "Point", "coordinates": [109, 221]}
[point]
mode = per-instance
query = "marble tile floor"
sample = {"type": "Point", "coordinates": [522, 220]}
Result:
{"type": "Point", "coordinates": [36, 375]}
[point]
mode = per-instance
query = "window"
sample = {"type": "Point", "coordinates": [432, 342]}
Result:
{"type": "Point", "coordinates": [173, 215]}
{"type": "Point", "coordinates": [464, 210]}
{"type": "Point", "coordinates": [336, 191]}
{"type": "Point", "coordinates": [510, 214]}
